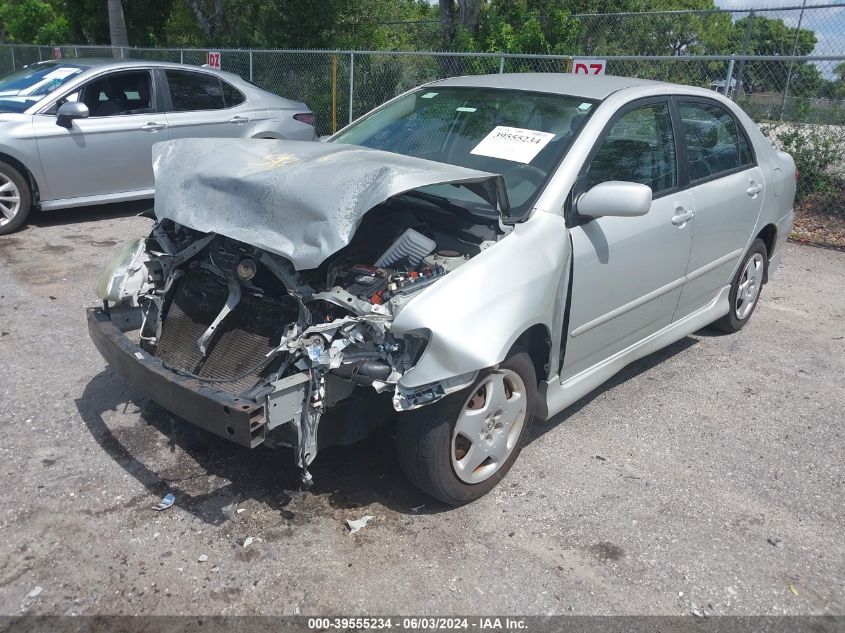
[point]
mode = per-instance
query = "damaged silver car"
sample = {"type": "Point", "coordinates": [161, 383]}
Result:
{"type": "Point", "coordinates": [472, 254]}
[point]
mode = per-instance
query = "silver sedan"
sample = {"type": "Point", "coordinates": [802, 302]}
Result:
{"type": "Point", "coordinates": [473, 254]}
{"type": "Point", "coordinates": [80, 132]}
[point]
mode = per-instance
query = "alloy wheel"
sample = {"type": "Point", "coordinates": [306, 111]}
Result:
{"type": "Point", "coordinates": [750, 282]}
{"type": "Point", "coordinates": [489, 426]}
{"type": "Point", "coordinates": [10, 199]}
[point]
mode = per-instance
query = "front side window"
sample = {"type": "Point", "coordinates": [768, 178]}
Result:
{"type": "Point", "coordinates": [521, 135]}
{"type": "Point", "coordinates": [117, 94]}
{"type": "Point", "coordinates": [714, 144]}
{"type": "Point", "coordinates": [639, 147]}
{"type": "Point", "coordinates": [23, 88]}
{"type": "Point", "coordinates": [191, 91]}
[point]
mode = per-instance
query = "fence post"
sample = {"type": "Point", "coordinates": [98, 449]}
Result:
{"type": "Point", "coordinates": [729, 77]}
{"type": "Point", "coordinates": [746, 40]}
{"type": "Point", "coordinates": [792, 61]}
{"type": "Point", "coordinates": [250, 65]}
{"type": "Point", "coordinates": [181, 56]}
{"type": "Point", "coordinates": [39, 54]}
{"type": "Point", "coordinates": [501, 64]}
{"type": "Point", "coordinates": [351, 81]}
{"type": "Point", "coordinates": [12, 48]}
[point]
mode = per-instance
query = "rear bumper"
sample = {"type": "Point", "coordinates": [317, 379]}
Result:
{"type": "Point", "coordinates": [236, 419]}
{"type": "Point", "coordinates": [784, 228]}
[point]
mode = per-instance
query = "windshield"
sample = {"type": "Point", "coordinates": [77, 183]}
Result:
{"type": "Point", "coordinates": [521, 135]}
{"type": "Point", "coordinates": [23, 88]}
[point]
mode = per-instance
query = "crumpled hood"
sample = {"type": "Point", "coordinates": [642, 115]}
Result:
{"type": "Point", "coordinates": [299, 199]}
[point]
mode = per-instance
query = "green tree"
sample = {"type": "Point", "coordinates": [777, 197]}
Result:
{"type": "Point", "coordinates": [33, 22]}
{"type": "Point", "coordinates": [770, 36]}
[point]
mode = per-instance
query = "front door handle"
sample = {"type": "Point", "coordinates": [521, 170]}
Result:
{"type": "Point", "coordinates": [153, 127]}
{"type": "Point", "coordinates": [682, 216]}
{"type": "Point", "coordinates": [238, 120]}
{"type": "Point", "coordinates": [754, 189]}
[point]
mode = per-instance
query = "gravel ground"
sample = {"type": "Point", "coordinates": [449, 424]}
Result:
{"type": "Point", "coordinates": [707, 476]}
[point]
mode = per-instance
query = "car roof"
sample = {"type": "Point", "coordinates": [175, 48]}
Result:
{"type": "Point", "coordinates": [100, 62]}
{"type": "Point", "coordinates": [586, 86]}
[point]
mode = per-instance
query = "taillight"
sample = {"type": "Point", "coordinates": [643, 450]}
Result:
{"type": "Point", "coordinates": [308, 118]}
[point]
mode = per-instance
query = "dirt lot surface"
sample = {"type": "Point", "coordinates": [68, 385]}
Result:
{"type": "Point", "coordinates": [708, 476]}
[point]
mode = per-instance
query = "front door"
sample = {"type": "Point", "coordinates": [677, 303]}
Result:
{"type": "Point", "coordinates": [628, 272]}
{"type": "Point", "coordinates": [111, 150]}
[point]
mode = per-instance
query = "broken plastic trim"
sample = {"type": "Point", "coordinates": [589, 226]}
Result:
{"type": "Point", "coordinates": [409, 399]}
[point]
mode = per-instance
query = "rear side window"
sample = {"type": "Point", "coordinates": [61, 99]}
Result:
{"type": "Point", "coordinates": [232, 96]}
{"type": "Point", "coordinates": [715, 145]}
{"type": "Point", "coordinates": [191, 91]}
{"type": "Point", "coordinates": [639, 147]}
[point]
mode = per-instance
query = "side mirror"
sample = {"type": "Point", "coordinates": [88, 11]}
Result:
{"type": "Point", "coordinates": [69, 111]}
{"type": "Point", "coordinates": [615, 198]}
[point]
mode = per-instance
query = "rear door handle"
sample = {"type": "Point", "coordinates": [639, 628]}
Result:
{"type": "Point", "coordinates": [153, 127]}
{"type": "Point", "coordinates": [237, 120]}
{"type": "Point", "coordinates": [754, 189]}
{"type": "Point", "coordinates": [682, 216]}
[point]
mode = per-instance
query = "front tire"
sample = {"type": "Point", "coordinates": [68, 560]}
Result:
{"type": "Point", "coordinates": [459, 448]}
{"type": "Point", "coordinates": [746, 288]}
{"type": "Point", "coordinates": [15, 199]}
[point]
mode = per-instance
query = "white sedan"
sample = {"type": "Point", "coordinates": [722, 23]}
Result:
{"type": "Point", "coordinates": [473, 254]}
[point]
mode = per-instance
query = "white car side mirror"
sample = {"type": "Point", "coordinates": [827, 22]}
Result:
{"type": "Point", "coordinates": [615, 198]}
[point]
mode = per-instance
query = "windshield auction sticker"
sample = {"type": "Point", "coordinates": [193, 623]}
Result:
{"type": "Point", "coordinates": [513, 143]}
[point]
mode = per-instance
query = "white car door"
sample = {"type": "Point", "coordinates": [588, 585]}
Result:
{"type": "Point", "coordinates": [726, 186]}
{"type": "Point", "coordinates": [108, 152]}
{"type": "Point", "coordinates": [201, 105]}
{"type": "Point", "coordinates": [628, 271]}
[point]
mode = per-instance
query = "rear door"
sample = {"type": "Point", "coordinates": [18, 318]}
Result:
{"type": "Point", "coordinates": [202, 105]}
{"type": "Point", "coordinates": [726, 186]}
{"type": "Point", "coordinates": [628, 272]}
{"type": "Point", "coordinates": [110, 151]}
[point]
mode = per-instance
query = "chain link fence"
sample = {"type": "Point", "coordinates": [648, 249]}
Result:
{"type": "Point", "coordinates": [806, 118]}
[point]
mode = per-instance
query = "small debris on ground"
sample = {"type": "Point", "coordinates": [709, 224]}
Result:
{"type": "Point", "coordinates": [699, 613]}
{"type": "Point", "coordinates": [793, 589]}
{"type": "Point", "coordinates": [248, 541]}
{"type": "Point", "coordinates": [600, 458]}
{"type": "Point", "coordinates": [202, 558]}
{"type": "Point", "coordinates": [166, 501]}
{"type": "Point", "coordinates": [418, 508]}
{"type": "Point", "coordinates": [36, 591]}
{"type": "Point", "coordinates": [357, 524]}
{"type": "Point", "coordinates": [775, 541]}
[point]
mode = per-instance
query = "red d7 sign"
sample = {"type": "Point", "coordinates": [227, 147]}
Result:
{"type": "Point", "coordinates": [589, 66]}
{"type": "Point", "coordinates": [214, 59]}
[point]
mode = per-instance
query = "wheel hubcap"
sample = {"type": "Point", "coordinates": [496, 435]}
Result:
{"type": "Point", "coordinates": [10, 200]}
{"type": "Point", "coordinates": [488, 426]}
{"type": "Point", "coordinates": [750, 282]}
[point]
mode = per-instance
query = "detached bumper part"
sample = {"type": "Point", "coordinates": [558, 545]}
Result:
{"type": "Point", "coordinates": [236, 419]}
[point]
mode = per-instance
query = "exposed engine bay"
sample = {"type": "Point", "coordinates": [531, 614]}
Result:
{"type": "Point", "coordinates": [245, 320]}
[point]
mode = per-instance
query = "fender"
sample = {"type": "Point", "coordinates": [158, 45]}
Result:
{"type": "Point", "coordinates": [474, 315]}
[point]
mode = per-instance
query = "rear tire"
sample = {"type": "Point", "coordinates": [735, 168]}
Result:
{"type": "Point", "coordinates": [15, 199]}
{"type": "Point", "coordinates": [459, 448]}
{"type": "Point", "coordinates": [746, 288]}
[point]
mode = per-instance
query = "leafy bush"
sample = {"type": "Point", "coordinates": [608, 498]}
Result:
{"type": "Point", "coordinates": [819, 154]}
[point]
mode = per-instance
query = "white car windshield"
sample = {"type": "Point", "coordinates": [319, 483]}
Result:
{"type": "Point", "coordinates": [521, 135]}
{"type": "Point", "coordinates": [22, 88]}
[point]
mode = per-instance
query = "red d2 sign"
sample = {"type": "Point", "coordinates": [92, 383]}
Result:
{"type": "Point", "coordinates": [589, 66]}
{"type": "Point", "coordinates": [57, 52]}
{"type": "Point", "coordinates": [214, 59]}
